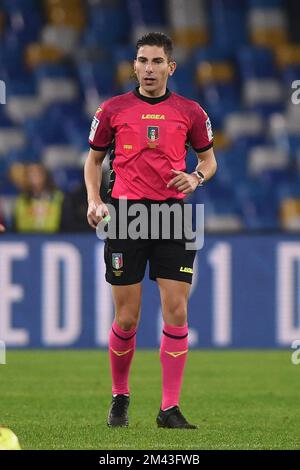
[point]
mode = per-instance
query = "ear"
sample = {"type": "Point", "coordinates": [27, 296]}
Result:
{"type": "Point", "coordinates": [172, 68]}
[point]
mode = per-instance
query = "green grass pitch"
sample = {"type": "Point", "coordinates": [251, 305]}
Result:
{"type": "Point", "coordinates": [239, 399]}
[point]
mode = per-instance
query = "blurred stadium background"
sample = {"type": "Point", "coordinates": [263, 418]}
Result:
{"type": "Point", "coordinates": [239, 59]}
{"type": "Point", "coordinates": [60, 58]}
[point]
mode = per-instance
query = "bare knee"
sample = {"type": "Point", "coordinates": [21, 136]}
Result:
{"type": "Point", "coordinates": [127, 318]}
{"type": "Point", "coordinates": [175, 312]}
{"type": "Point", "coordinates": [127, 300]}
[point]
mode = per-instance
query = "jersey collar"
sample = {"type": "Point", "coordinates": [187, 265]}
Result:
{"type": "Point", "coordinates": [151, 100]}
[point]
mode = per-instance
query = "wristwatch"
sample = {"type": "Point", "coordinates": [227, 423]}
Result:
{"type": "Point", "coordinates": [200, 177]}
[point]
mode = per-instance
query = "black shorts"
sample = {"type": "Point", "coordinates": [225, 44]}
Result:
{"type": "Point", "coordinates": [126, 259]}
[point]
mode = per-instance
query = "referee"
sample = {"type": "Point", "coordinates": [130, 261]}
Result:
{"type": "Point", "coordinates": [149, 130]}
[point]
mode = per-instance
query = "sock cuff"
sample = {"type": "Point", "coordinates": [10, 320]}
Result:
{"type": "Point", "coordinates": [176, 332]}
{"type": "Point", "coordinates": [123, 334]}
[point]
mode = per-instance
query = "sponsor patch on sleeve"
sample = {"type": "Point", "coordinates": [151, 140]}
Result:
{"type": "Point", "coordinates": [209, 129]}
{"type": "Point", "coordinates": [94, 126]}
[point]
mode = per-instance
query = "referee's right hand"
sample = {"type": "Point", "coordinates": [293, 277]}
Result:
{"type": "Point", "coordinates": [96, 212]}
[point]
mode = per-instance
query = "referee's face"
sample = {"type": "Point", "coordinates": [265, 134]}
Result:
{"type": "Point", "coordinates": [153, 68]}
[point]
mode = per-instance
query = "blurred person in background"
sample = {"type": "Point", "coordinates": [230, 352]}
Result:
{"type": "Point", "coordinates": [38, 208]}
{"type": "Point", "coordinates": [74, 209]}
{"type": "Point", "coordinates": [2, 227]}
{"type": "Point", "coordinates": [75, 204]}
{"type": "Point", "coordinates": [18, 176]}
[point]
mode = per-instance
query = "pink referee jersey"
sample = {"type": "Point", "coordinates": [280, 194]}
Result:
{"type": "Point", "coordinates": [150, 137]}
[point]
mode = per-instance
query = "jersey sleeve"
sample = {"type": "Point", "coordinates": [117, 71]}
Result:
{"type": "Point", "coordinates": [101, 133]}
{"type": "Point", "coordinates": [200, 135]}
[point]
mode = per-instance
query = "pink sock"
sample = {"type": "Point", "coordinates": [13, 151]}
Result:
{"type": "Point", "coordinates": [173, 354]}
{"type": "Point", "coordinates": [121, 351]}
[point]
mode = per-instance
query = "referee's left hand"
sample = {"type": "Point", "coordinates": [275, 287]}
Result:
{"type": "Point", "coordinates": [183, 182]}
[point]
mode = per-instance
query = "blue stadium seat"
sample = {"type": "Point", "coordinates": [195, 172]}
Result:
{"type": "Point", "coordinates": [147, 12]}
{"type": "Point", "coordinates": [289, 74]}
{"type": "Point", "coordinates": [276, 178]}
{"type": "Point", "coordinates": [68, 179]}
{"type": "Point", "coordinates": [5, 121]}
{"type": "Point", "coordinates": [255, 62]}
{"type": "Point", "coordinates": [236, 160]}
{"type": "Point", "coordinates": [228, 24]}
{"type": "Point", "coordinates": [183, 81]}
{"type": "Point", "coordinates": [220, 192]}
{"type": "Point", "coordinates": [210, 53]}
{"type": "Point", "coordinates": [122, 53]}
{"type": "Point", "coordinates": [44, 131]}
{"type": "Point", "coordinates": [23, 5]}
{"type": "Point", "coordinates": [100, 31]}
{"type": "Point", "coordinates": [289, 188]}
{"type": "Point", "coordinates": [22, 84]}
{"type": "Point", "coordinates": [25, 19]}
{"type": "Point", "coordinates": [7, 188]}
{"type": "Point", "coordinates": [53, 71]}
{"type": "Point", "coordinates": [77, 132]}
{"type": "Point", "coordinates": [217, 198]}
{"type": "Point", "coordinates": [3, 168]}
{"type": "Point", "coordinates": [65, 111]}
{"type": "Point", "coordinates": [98, 75]}
{"type": "Point", "coordinates": [266, 109]}
{"type": "Point", "coordinates": [226, 206]}
{"type": "Point", "coordinates": [294, 143]}
{"type": "Point", "coordinates": [265, 3]}
{"type": "Point", "coordinates": [258, 205]}
{"type": "Point", "coordinates": [224, 174]}
{"type": "Point", "coordinates": [27, 154]}
{"type": "Point", "coordinates": [11, 57]}
{"type": "Point", "coordinates": [75, 125]}
{"type": "Point", "coordinates": [246, 142]}
{"type": "Point", "coordinates": [218, 101]}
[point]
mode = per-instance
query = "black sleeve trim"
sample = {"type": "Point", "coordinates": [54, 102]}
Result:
{"type": "Point", "coordinates": [204, 148]}
{"type": "Point", "coordinates": [98, 149]}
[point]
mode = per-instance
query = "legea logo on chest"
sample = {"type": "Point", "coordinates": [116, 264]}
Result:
{"type": "Point", "coordinates": [153, 116]}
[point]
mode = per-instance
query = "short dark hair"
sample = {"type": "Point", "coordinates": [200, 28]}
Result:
{"type": "Point", "coordinates": [159, 40]}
